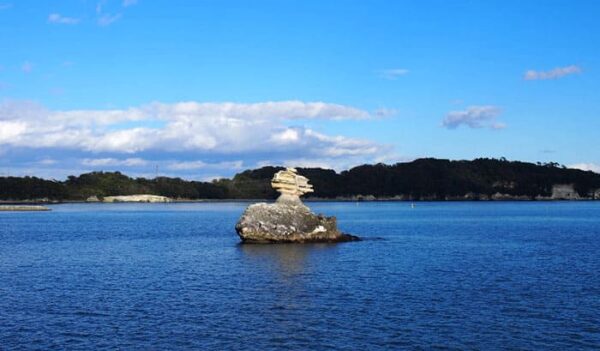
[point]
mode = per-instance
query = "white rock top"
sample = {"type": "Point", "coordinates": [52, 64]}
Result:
{"type": "Point", "coordinates": [289, 183]}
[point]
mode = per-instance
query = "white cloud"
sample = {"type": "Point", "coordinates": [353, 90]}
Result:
{"type": "Point", "coordinates": [336, 146]}
{"type": "Point", "coordinates": [393, 74]}
{"type": "Point", "coordinates": [474, 117]}
{"type": "Point", "coordinates": [226, 129]}
{"type": "Point", "coordinates": [127, 140]}
{"type": "Point", "coordinates": [555, 73]}
{"type": "Point", "coordinates": [106, 162]}
{"type": "Point", "coordinates": [269, 110]}
{"type": "Point", "coordinates": [586, 167]}
{"type": "Point", "coordinates": [127, 3]}
{"type": "Point", "coordinates": [5, 6]}
{"type": "Point", "coordinates": [108, 19]}
{"type": "Point", "coordinates": [47, 161]}
{"type": "Point", "coordinates": [11, 130]}
{"type": "Point", "coordinates": [286, 136]}
{"type": "Point", "coordinates": [193, 165]}
{"type": "Point", "coordinates": [20, 110]}
{"type": "Point", "coordinates": [27, 67]}
{"type": "Point", "coordinates": [187, 165]}
{"type": "Point", "coordinates": [58, 19]}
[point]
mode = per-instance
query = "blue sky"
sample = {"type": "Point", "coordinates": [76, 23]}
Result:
{"type": "Point", "coordinates": [204, 89]}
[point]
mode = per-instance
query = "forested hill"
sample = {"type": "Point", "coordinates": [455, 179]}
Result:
{"type": "Point", "coordinates": [422, 179]}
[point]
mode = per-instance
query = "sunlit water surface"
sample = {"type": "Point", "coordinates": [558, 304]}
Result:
{"type": "Point", "coordinates": [452, 275]}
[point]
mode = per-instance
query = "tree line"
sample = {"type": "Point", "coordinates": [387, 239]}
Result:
{"type": "Point", "coordinates": [426, 178]}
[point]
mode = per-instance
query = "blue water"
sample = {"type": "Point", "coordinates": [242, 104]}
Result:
{"type": "Point", "coordinates": [452, 275]}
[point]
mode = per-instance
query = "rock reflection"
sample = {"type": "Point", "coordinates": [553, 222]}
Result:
{"type": "Point", "coordinates": [285, 259]}
{"type": "Point", "coordinates": [288, 272]}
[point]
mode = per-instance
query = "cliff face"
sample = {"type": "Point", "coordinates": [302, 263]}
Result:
{"type": "Point", "coordinates": [564, 192]}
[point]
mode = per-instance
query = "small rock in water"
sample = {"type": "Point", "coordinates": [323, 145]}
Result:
{"type": "Point", "coordinates": [288, 220]}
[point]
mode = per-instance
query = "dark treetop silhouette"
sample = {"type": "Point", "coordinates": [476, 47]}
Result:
{"type": "Point", "coordinates": [422, 179]}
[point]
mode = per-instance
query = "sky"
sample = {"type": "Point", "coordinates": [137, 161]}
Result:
{"type": "Point", "coordinates": [206, 89]}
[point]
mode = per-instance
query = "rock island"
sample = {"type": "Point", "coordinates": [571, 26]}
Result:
{"type": "Point", "coordinates": [288, 220]}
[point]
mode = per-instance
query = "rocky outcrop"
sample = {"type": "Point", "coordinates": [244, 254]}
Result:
{"type": "Point", "coordinates": [137, 198]}
{"type": "Point", "coordinates": [288, 220]}
{"type": "Point", "coordinates": [564, 192]}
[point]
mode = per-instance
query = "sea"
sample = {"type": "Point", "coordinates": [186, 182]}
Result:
{"type": "Point", "coordinates": [436, 276]}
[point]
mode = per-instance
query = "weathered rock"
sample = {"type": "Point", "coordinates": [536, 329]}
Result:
{"type": "Point", "coordinates": [564, 192]}
{"type": "Point", "coordinates": [288, 220]}
{"type": "Point", "coordinates": [290, 184]}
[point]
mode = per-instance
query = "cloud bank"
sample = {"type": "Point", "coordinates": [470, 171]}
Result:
{"type": "Point", "coordinates": [187, 136]}
{"type": "Point", "coordinates": [474, 117]}
{"type": "Point", "coordinates": [100, 162]}
{"type": "Point", "coordinates": [555, 73]}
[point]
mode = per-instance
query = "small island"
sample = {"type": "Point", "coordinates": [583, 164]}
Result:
{"type": "Point", "coordinates": [23, 208]}
{"type": "Point", "coordinates": [288, 220]}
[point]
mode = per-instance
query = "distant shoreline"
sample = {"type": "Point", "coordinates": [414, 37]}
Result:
{"type": "Point", "coordinates": [420, 180]}
{"type": "Point", "coordinates": [309, 200]}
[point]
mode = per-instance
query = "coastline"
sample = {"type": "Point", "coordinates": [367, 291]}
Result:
{"type": "Point", "coordinates": [315, 200]}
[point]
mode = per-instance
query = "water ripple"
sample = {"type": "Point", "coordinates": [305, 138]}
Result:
{"type": "Point", "coordinates": [447, 276]}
